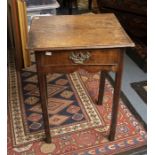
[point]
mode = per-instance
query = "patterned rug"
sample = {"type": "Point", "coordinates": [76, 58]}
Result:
{"type": "Point", "coordinates": [78, 126]}
{"type": "Point", "coordinates": [141, 89]}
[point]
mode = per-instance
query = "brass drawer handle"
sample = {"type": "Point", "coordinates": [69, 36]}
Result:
{"type": "Point", "coordinates": [79, 57]}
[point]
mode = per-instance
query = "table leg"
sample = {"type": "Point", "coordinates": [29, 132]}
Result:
{"type": "Point", "coordinates": [101, 88]}
{"type": "Point", "coordinates": [116, 97]}
{"type": "Point", "coordinates": [43, 98]}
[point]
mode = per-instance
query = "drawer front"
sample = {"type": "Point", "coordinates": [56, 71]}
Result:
{"type": "Point", "coordinates": [133, 6]}
{"type": "Point", "coordinates": [83, 57]}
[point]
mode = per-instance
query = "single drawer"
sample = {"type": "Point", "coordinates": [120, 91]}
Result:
{"type": "Point", "coordinates": [81, 57]}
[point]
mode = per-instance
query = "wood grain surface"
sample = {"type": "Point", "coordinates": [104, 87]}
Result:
{"type": "Point", "coordinates": [77, 32]}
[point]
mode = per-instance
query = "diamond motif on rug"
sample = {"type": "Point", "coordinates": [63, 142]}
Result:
{"type": "Point", "coordinates": [61, 82]}
{"type": "Point", "coordinates": [52, 89]}
{"type": "Point", "coordinates": [56, 105]}
{"type": "Point", "coordinates": [31, 100]}
{"type": "Point", "coordinates": [36, 108]}
{"type": "Point", "coordinates": [33, 79]}
{"type": "Point", "coordinates": [34, 117]}
{"type": "Point", "coordinates": [67, 94]}
{"type": "Point", "coordinates": [73, 109]}
{"type": "Point", "coordinates": [30, 87]}
{"type": "Point", "coordinates": [57, 119]}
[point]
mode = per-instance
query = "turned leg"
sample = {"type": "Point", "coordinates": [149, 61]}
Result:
{"type": "Point", "coordinates": [115, 106]}
{"type": "Point", "coordinates": [43, 99]}
{"type": "Point", "coordinates": [101, 88]}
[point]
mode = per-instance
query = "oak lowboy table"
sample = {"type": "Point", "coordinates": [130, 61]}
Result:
{"type": "Point", "coordinates": [69, 42]}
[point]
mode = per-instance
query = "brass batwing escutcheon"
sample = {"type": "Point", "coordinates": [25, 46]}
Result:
{"type": "Point", "coordinates": [79, 57]}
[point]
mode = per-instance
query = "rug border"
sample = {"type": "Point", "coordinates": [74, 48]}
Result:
{"type": "Point", "coordinates": [137, 151]}
{"type": "Point", "coordinates": [142, 93]}
{"type": "Point", "coordinates": [137, 116]}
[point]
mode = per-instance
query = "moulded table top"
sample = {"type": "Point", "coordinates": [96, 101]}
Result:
{"type": "Point", "coordinates": [64, 32]}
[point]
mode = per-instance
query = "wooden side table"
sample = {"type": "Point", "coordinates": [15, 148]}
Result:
{"type": "Point", "coordinates": [67, 43]}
